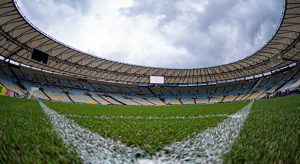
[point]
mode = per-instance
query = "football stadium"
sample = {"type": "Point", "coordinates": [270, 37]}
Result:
{"type": "Point", "coordinates": [62, 105]}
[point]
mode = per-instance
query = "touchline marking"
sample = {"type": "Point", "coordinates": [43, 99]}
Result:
{"type": "Point", "coordinates": [206, 147]}
{"type": "Point", "coordinates": [148, 117]}
{"type": "Point", "coordinates": [91, 147]}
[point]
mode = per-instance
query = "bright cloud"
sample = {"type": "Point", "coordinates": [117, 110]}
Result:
{"type": "Point", "coordinates": [169, 33]}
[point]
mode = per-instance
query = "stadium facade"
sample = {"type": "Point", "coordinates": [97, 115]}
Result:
{"type": "Point", "coordinates": [36, 65]}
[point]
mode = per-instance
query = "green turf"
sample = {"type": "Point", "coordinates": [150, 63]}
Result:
{"type": "Point", "coordinates": [191, 110]}
{"type": "Point", "coordinates": [271, 133]}
{"type": "Point", "coordinates": [149, 134]}
{"type": "Point", "coordinates": [26, 136]}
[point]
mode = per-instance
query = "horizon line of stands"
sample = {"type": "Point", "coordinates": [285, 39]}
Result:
{"type": "Point", "coordinates": [58, 88]}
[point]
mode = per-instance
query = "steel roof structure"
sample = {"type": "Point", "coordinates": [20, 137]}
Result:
{"type": "Point", "coordinates": [18, 37]}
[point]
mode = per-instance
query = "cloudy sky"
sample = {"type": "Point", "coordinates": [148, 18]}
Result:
{"type": "Point", "coordinates": [159, 33]}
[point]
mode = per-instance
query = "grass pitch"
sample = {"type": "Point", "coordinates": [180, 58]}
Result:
{"type": "Point", "coordinates": [148, 134]}
{"type": "Point", "coordinates": [26, 136]}
{"type": "Point", "coordinates": [271, 134]}
{"type": "Point", "coordinates": [189, 110]}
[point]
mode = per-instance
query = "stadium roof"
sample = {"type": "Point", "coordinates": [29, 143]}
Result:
{"type": "Point", "coordinates": [18, 37]}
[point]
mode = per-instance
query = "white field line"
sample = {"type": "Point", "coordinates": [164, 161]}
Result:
{"type": "Point", "coordinates": [91, 147]}
{"type": "Point", "coordinates": [206, 147]}
{"type": "Point", "coordinates": [148, 117]}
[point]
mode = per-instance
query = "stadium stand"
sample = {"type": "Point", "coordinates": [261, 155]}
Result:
{"type": "Point", "coordinates": [230, 98]}
{"type": "Point", "coordinates": [53, 87]}
{"type": "Point", "coordinates": [294, 82]}
{"type": "Point", "coordinates": [172, 101]}
{"type": "Point", "coordinates": [215, 99]}
{"type": "Point", "coordinates": [187, 100]}
{"type": "Point", "coordinates": [124, 100]}
{"type": "Point", "coordinates": [155, 100]}
{"type": "Point", "coordinates": [73, 76]}
{"type": "Point", "coordinates": [140, 100]}
{"type": "Point", "coordinates": [111, 100]}
{"type": "Point", "coordinates": [38, 93]}
{"type": "Point", "coordinates": [98, 99]}
{"type": "Point", "coordinates": [81, 97]}
{"type": "Point", "coordinates": [57, 94]}
{"type": "Point", "coordinates": [12, 86]}
{"type": "Point", "coordinates": [202, 100]}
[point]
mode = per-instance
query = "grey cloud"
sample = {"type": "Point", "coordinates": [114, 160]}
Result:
{"type": "Point", "coordinates": [253, 22]}
{"type": "Point", "coordinates": [225, 31]}
{"type": "Point", "coordinates": [153, 8]}
{"type": "Point", "coordinates": [81, 5]}
{"type": "Point", "coordinates": [34, 9]}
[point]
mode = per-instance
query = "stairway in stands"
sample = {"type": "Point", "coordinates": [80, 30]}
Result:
{"type": "Point", "coordinates": [289, 78]}
{"type": "Point", "coordinates": [19, 84]}
{"type": "Point", "coordinates": [90, 96]}
{"type": "Point", "coordinates": [67, 93]}
{"type": "Point", "coordinates": [42, 90]}
{"type": "Point", "coordinates": [116, 99]}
